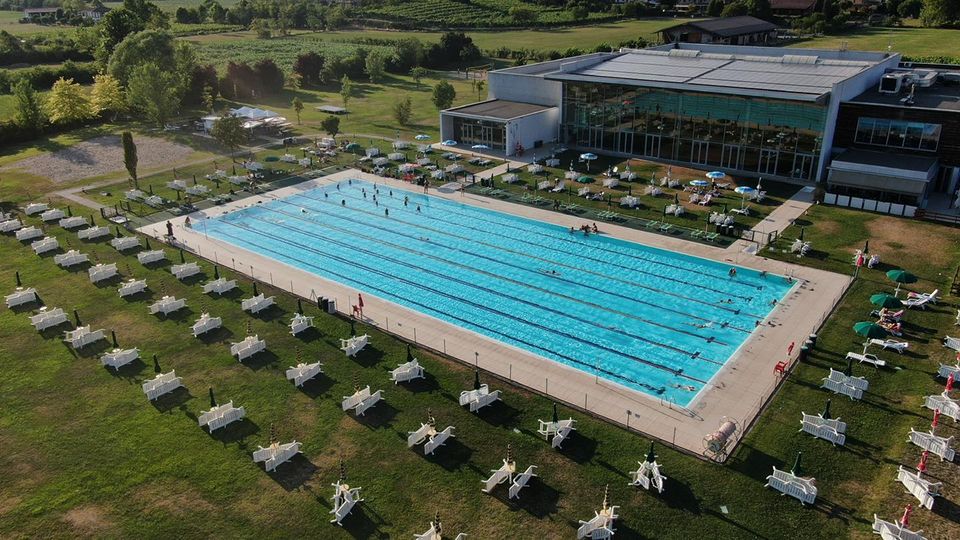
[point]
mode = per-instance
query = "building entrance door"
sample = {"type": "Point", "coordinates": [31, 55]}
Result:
{"type": "Point", "coordinates": [802, 166]}
{"type": "Point", "coordinates": [730, 157]}
{"type": "Point", "coordinates": [768, 161]}
{"type": "Point", "coordinates": [651, 146]}
{"type": "Point", "coordinates": [699, 152]}
{"type": "Point", "coordinates": [625, 142]}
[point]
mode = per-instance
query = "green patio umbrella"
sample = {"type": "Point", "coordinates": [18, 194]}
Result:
{"type": "Point", "coordinates": [826, 411]}
{"type": "Point", "coordinates": [255, 291]}
{"type": "Point", "coordinates": [584, 179]}
{"type": "Point", "coordinates": [216, 272]}
{"type": "Point", "coordinates": [869, 330]}
{"type": "Point", "coordinates": [848, 371]}
{"type": "Point", "coordinates": [676, 198]}
{"type": "Point", "coordinates": [885, 300]}
{"type": "Point", "coordinates": [113, 337]}
{"type": "Point", "coordinates": [19, 283]}
{"type": "Point", "coordinates": [900, 277]}
{"type": "Point", "coordinates": [299, 306]}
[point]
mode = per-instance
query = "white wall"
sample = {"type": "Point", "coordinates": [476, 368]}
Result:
{"type": "Point", "coordinates": [524, 88]}
{"type": "Point", "coordinates": [542, 126]}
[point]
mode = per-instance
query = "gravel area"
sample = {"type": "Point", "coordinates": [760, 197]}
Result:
{"type": "Point", "coordinates": [99, 156]}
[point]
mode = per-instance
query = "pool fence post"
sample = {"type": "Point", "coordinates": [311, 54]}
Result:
{"type": "Point", "coordinates": [546, 385]}
{"type": "Point", "coordinates": [628, 418]}
{"type": "Point", "coordinates": [415, 335]}
{"type": "Point", "coordinates": [674, 441]}
{"type": "Point", "coordinates": [388, 324]}
{"type": "Point", "coordinates": [444, 346]}
{"type": "Point", "coordinates": [271, 279]}
{"type": "Point", "coordinates": [585, 402]}
{"type": "Point", "coordinates": [511, 372]}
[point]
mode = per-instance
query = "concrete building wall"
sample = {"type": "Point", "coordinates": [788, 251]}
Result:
{"type": "Point", "coordinates": [527, 130]}
{"type": "Point", "coordinates": [524, 88]}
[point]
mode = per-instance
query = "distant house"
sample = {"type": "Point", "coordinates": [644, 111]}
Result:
{"type": "Point", "coordinates": [743, 30]}
{"type": "Point", "coordinates": [792, 8]}
{"type": "Point", "coordinates": [95, 13]}
{"type": "Point", "coordinates": [35, 14]}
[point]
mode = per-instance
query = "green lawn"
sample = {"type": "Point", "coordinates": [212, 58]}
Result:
{"type": "Point", "coordinates": [910, 41]}
{"type": "Point", "coordinates": [10, 21]}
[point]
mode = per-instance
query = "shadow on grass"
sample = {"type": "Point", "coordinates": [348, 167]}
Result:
{"type": "Point", "coordinates": [381, 415]}
{"type": "Point", "coordinates": [363, 522]}
{"type": "Point", "coordinates": [109, 282]}
{"type": "Point", "coordinates": [145, 295]}
{"type": "Point", "coordinates": [310, 335]}
{"type": "Point", "coordinates": [452, 456]}
{"type": "Point", "coordinates": [678, 495]}
{"type": "Point", "coordinates": [318, 386]}
{"type": "Point", "coordinates": [538, 499]}
{"type": "Point", "coordinates": [261, 360]}
{"type": "Point", "coordinates": [236, 432]}
{"type": "Point", "coordinates": [179, 315]}
{"type": "Point", "coordinates": [294, 473]}
{"type": "Point", "coordinates": [29, 306]}
{"type": "Point", "coordinates": [578, 447]}
{"type": "Point", "coordinates": [127, 372]}
{"type": "Point", "coordinates": [194, 279]}
{"type": "Point", "coordinates": [499, 414]}
{"type": "Point", "coordinates": [427, 383]}
{"type": "Point", "coordinates": [218, 335]}
{"type": "Point", "coordinates": [93, 350]}
{"type": "Point", "coordinates": [368, 357]}
{"type": "Point", "coordinates": [174, 400]}
{"type": "Point", "coordinates": [270, 314]}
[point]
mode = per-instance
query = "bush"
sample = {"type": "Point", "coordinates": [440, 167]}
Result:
{"type": "Point", "coordinates": [43, 77]}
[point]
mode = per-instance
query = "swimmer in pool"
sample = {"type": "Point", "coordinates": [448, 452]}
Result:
{"type": "Point", "coordinates": [701, 325]}
{"type": "Point", "coordinates": [687, 387]}
{"type": "Point", "coordinates": [343, 202]}
{"type": "Point", "coordinates": [418, 208]}
{"type": "Point", "coordinates": [732, 272]}
{"type": "Point", "coordinates": [763, 273]}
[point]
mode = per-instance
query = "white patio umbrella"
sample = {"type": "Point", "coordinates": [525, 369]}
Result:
{"type": "Point", "coordinates": [588, 157]}
{"type": "Point", "coordinates": [744, 191]}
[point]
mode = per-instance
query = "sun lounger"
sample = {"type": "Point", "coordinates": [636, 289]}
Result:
{"type": "Point", "coordinates": [49, 243]}
{"type": "Point", "coordinates": [344, 499]}
{"type": "Point", "coordinates": [951, 343]}
{"type": "Point", "coordinates": [35, 208]}
{"type": "Point", "coordinates": [802, 489]}
{"type": "Point", "coordinates": [302, 373]}
{"type": "Point", "coordinates": [163, 383]}
{"type": "Point", "coordinates": [354, 345]}
{"type": "Point", "coordinates": [257, 303]}
{"type": "Point", "coordinates": [924, 490]}
{"type": "Point", "coordinates": [299, 323]}
{"type": "Point", "coordinates": [220, 416]}
{"type": "Point", "coordinates": [183, 271]}
{"type": "Point", "coordinates": [276, 454]}
{"type": "Point", "coordinates": [28, 233]}
{"type": "Point", "coordinates": [894, 531]}
{"type": "Point", "coordinates": [21, 296]}
{"type": "Point", "coordinates": [117, 358]}
{"type": "Point", "coordinates": [945, 404]}
{"type": "Point", "coordinates": [52, 215]}
{"type": "Point", "coordinates": [125, 242]}
{"type": "Point", "coordinates": [478, 399]}
{"type": "Point", "coordinates": [559, 187]}
{"type": "Point", "coordinates": [167, 305]}
{"type": "Point", "coordinates": [219, 286]}
{"type": "Point", "coordinates": [10, 225]}
{"type": "Point", "coordinates": [868, 358]}
{"type": "Point", "coordinates": [892, 344]}
{"type": "Point", "coordinates": [148, 257]}
{"type": "Point", "coordinates": [361, 400]}
{"type": "Point", "coordinates": [829, 429]}
{"type": "Point", "coordinates": [101, 272]}
{"type": "Point", "coordinates": [93, 233]}
{"type": "Point", "coordinates": [48, 318]}
{"type": "Point", "coordinates": [945, 371]}
{"type": "Point", "coordinates": [205, 324]}
{"type": "Point", "coordinates": [647, 475]}
{"type": "Point", "coordinates": [70, 258]}
{"type": "Point", "coordinates": [250, 346]}
{"type": "Point", "coordinates": [600, 527]}
{"type": "Point", "coordinates": [407, 371]}
{"type": "Point", "coordinates": [918, 302]}
{"type": "Point", "coordinates": [72, 222]}
{"type": "Point", "coordinates": [936, 445]}
{"type": "Point", "coordinates": [83, 336]}
{"type": "Point", "coordinates": [133, 286]}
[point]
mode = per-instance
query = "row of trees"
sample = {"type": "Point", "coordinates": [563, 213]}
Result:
{"type": "Point", "coordinates": [267, 17]}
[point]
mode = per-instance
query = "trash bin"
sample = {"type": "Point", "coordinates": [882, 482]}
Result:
{"type": "Point", "coordinates": [813, 338]}
{"type": "Point", "coordinates": [323, 304]}
{"type": "Point", "coordinates": [803, 352]}
{"type": "Point", "coordinates": [331, 306]}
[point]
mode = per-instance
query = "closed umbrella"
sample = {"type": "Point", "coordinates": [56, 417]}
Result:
{"type": "Point", "coordinates": [885, 300]}
{"type": "Point", "coordinates": [584, 179]}
{"type": "Point", "coordinates": [556, 418]}
{"type": "Point", "coordinates": [156, 365]}
{"type": "Point", "coordinates": [676, 198]}
{"type": "Point", "coordinates": [449, 142]}
{"type": "Point", "coordinates": [476, 379]}
{"type": "Point", "coordinates": [422, 137]}
{"type": "Point", "coordinates": [213, 400]}
{"type": "Point", "coordinates": [826, 411]}
{"type": "Point", "coordinates": [409, 354]}
{"type": "Point", "coordinates": [796, 464]}
{"type": "Point", "coordinates": [900, 277]}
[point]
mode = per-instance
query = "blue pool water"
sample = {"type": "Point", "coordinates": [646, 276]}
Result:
{"type": "Point", "coordinates": [653, 320]}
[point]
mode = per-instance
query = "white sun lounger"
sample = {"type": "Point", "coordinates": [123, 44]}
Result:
{"type": "Point", "coordinates": [131, 287]}
{"type": "Point", "coordinates": [10, 225]}
{"type": "Point", "coordinates": [945, 371]}
{"type": "Point", "coordinates": [951, 343]}
{"type": "Point", "coordinates": [220, 416]}
{"type": "Point", "coordinates": [72, 222]}
{"type": "Point", "coordinates": [407, 371]}
{"type": "Point", "coordinates": [868, 358]}
{"type": "Point", "coordinates": [831, 430]}
{"type": "Point", "coordinates": [299, 323]}
{"type": "Point", "coordinates": [48, 318]}
{"type": "Point", "coordinates": [559, 187]}
{"type": "Point", "coordinates": [70, 258]}
{"type": "Point", "coordinates": [48, 243]}
{"type": "Point", "coordinates": [35, 208]}
{"type": "Point", "coordinates": [478, 399]}
{"type": "Point", "coordinates": [83, 336]}
{"type": "Point", "coordinates": [167, 305]}
{"type": "Point", "coordinates": [183, 271]}
{"type": "Point", "coordinates": [499, 476]}
{"type": "Point", "coordinates": [303, 373]}
{"type": "Point", "coordinates": [276, 454]}
{"type": "Point", "coordinates": [124, 243]}
{"type": "Point", "coordinates": [205, 324]}
{"type": "Point", "coordinates": [219, 286]}
{"type": "Point", "coordinates": [787, 483]}
{"type": "Point", "coordinates": [647, 475]}
{"type": "Point", "coordinates": [924, 490]}
{"type": "Point", "coordinates": [892, 344]}
{"type": "Point", "coordinates": [101, 272]}
{"type": "Point", "coordinates": [117, 358]}
{"type": "Point", "coordinates": [351, 346]}
{"type": "Point", "coordinates": [600, 527]}
{"type": "Point", "coordinates": [935, 444]}
{"type": "Point", "coordinates": [152, 256]}
{"type": "Point", "coordinates": [894, 531]}
{"type": "Point", "coordinates": [921, 302]}
{"type": "Point", "coordinates": [947, 406]}
{"type": "Point", "coordinates": [20, 296]}
{"type": "Point", "coordinates": [344, 499]}
{"type": "Point", "coordinates": [361, 400]}
{"type": "Point", "coordinates": [93, 233]}
{"type": "Point", "coordinates": [52, 214]}
{"type": "Point", "coordinates": [250, 346]}
{"type": "Point", "coordinates": [28, 233]}
{"type": "Point", "coordinates": [426, 433]}
{"type": "Point", "coordinates": [163, 383]}
{"type": "Point", "coordinates": [257, 304]}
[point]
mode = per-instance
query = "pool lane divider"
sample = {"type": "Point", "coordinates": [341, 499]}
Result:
{"type": "Point", "coordinates": [655, 365]}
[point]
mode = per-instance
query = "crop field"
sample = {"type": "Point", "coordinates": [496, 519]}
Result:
{"type": "Point", "coordinates": [471, 13]}
{"type": "Point", "coordinates": [282, 50]}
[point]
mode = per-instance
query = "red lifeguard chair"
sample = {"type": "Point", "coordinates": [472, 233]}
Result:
{"type": "Point", "coordinates": [780, 369]}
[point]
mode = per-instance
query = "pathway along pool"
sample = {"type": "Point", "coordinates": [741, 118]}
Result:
{"type": "Point", "coordinates": [649, 319]}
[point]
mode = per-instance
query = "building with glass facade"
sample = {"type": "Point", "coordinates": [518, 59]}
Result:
{"type": "Point", "coordinates": [751, 111]}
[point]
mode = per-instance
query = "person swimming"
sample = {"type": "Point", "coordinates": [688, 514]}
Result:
{"type": "Point", "coordinates": [418, 208]}
{"type": "Point", "coordinates": [732, 272]}
{"type": "Point", "coordinates": [343, 202]}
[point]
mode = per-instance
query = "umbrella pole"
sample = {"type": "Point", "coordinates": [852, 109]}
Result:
{"type": "Point", "coordinates": [865, 345]}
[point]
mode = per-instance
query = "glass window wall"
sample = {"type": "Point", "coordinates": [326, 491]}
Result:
{"type": "Point", "coordinates": [471, 131]}
{"type": "Point", "coordinates": [898, 134]}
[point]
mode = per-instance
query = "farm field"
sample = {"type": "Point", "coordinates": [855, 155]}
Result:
{"type": "Point", "coordinates": [9, 21]}
{"type": "Point", "coordinates": [283, 51]}
{"type": "Point", "coordinates": [470, 14]}
{"type": "Point", "coordinates": [912, 42]}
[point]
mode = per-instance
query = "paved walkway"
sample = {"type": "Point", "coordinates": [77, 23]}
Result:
{"type": "Point", "coordinates": [778, 220]}
{"type": "Point", "coordinates": [738, 391]}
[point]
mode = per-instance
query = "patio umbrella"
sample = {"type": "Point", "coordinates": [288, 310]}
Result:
{"type": "Point", "coordinates": [801, 233]}
{"type": "Point", "coordinates": [676, 198]}
{"type": "Point", "coordinates": [409, 354]}
{"type": "Point", "coordinates": [476, 379]}
{"type": "Point", "coordinates": [905, 520]}
{"type": "Point", "coordinates": [848, 371]}
{"type": "Point", "coordinates": [826, 411]}
{"type": "Point", "coordinates": [744, 191]}
{"type": "Point", "coordinates": [651, 457]}
{"type": "Point", "coordinates": [716, 175]}
{"type": "Point", "coordinates": [866, 247]}
{"type": "Point", "coordinates": [183, 260]}
{"type": "Point", "coordinates": [901, 277]}
{"type": "Point", "coordinates": [480, 147]}
{"type": "Point", "coordinates": [869, 330]}
{"type": "Point", "coordinates": [113, 337]}
{"type": "Point", "coordinates": [449, 142]}
{"type": "Point", "coordinates": [885, 300]}
{"type": "Point", "coordinates": [422, 137]}
{"type": "Point", "coordinates": [213, 400]}
{"type": "Point", "coordinates": [353, 330]}
{"type": "Point", "coordinates": [300, 306]}
{"type": "Point", "coordinates": [156, 365]}
{"type": "Point", "coordinates": [584, 180]}
{"type": "Point", "coordinates": [255, 291]}
{"type": "Point", "coordinates": [216, 272]}
{"type": "Point", "coordinates": [796, 464]}
{"type": "Point", "coordinates": [699, 183]}
{"type": "Point", "coordinates": [588, 157]}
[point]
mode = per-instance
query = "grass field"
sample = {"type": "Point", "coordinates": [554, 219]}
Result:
{"type": "Point", "coordinates": [909, 41]}
{"type": "Point", "coordinates": [92, 457]}
{"type": "Point", "coordinates": [10, 21]}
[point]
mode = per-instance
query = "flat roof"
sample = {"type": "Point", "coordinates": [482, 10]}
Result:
{"type": "Point", "coordinates": [888, 160]}
{"type": "Point", "coordinates": [499, 109]}
{"type": "Point", "coordinates": [729, 26]}
{"type": "Point", "coordinates": [939, 96]}
{"type": "Point", "coordinates": [774, 72]}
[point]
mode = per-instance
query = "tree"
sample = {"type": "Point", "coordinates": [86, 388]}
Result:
{"type": "Point", "coordinates": [443, 95]}
{"type": "Point", "coordinates": [715, 8]}
{"type": "Point", "coordinates": [403, 110]}
{"type": "Point", "coordinates": [151, 46]}
{"type": "Point", "coordinates": [130, 156]}
{"type": "Point", "coordinates": [760, 9]}
{"type": "Point", "coordinates": [154, 92]}
{"type": "Point", "coordinates": [346, 88]}
{"type": "Point", "coordinates": [309, 65]}
{"type": "Point", "coordinates": [67, 103]}
{"type": "Point", "coordinates": [735, 9]}
{"type": "Point", "coordinates": [480, 87]}
{"type": "Point", "coordinates": [269, 75]}
{"type": "Point", "coordinates": [297, 107]}
{"type": "Point", "coordinates": [375, 65]}
{"type": "Point", "coordinates": [522, 14]}
{"type": "Point", "coordinates": [579, 12]}
{"type": "Point", "coordinates": [262, 28]}
{"type": "Point", "coordinates": [910, 9]}
{"type": "Point", "coordinates": [939, 12]}
{"type": "Point", "coordinates": [208, 98]}
{"type": "Point", "coordinates": [29, 113]}
{"type": "Point", "coordinates": [229, 132]}
{"type": "Point", "coordinates": [107, 95]}
{"type": "Point", "coordinates": [114, 27]}
{"type": "Point", "coordinates": [331, 125]}
{"type": "Point", "coordinates": [418, 73]}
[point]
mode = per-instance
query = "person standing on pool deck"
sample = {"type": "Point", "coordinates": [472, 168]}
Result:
{"type": "Point", "coordinates": [170, 227]}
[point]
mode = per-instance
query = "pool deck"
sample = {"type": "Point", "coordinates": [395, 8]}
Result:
{"type": "Point", "coordinates": [738, 391]}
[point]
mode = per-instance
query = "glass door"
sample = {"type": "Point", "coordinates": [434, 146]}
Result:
{"type": "Point", "coordinates": [625, 142]}
{"type": "Point", "coordinates": [802, 166]}
{"type": "Point", "coordinates": [651, 146]}
{"type": "Point", "coordinates": [730, 157]}
{"type": "Point", "coordinates": [768, 161]}
{"type": "Point", "coordinates": [699, 152]}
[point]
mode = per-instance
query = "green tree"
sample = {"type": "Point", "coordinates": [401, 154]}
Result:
{"type": "Point", "coordinates": [939, 12]}
{"type": "Point", "coordinates": [297, 107]}
{"type": "Point", "coordinates": [262, 28]}
{"type": "Point", "coordinates": [130, 156]}
{"type": "Point", "coordinates": [208, 98]}
{"type": "Point", "coordinates": [443, 95]}
{"type": "Point", "coordinates": [29, 111]}
{"type": "Point", "coordinates": [480, 86]}
{"type": "Point", "coordinates": [715, 8]}
{"type": "Point", "coordinates": [910, 9]}
{"type": "Point", "coordinates": [418, 73]}
{"type": "Point", "coordinates": [579, 12]}
{"type": "Point", "coordinates": [331, 125]}
{"type": "Point", "coordinates": [114, 27]}
{"type": "Point", "coordinates": [522, 14]}
{"type": "Point", "coordinates": [346, 89]}
{"type": "Point", "coordinates": [107, 95]}
{"type": "Point", "coordinates": [150, 46]}
{"type": "Point", "coordinates": [760, 9]}
{"type": "Point", "coordinates": [403, 110]}
{"type": "Point", "coordinates": [229, 132]}
{"type": "Point", "coordinates": [375, 65]}
{"type": "Point", "coordinates": [154, 92]}
{"type": "Point", "coordinates": [67, 103]}
{"type": "Point", "coordinates": [735, 9]}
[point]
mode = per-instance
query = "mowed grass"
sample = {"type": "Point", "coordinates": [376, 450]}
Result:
{"type": "Point", "coordinates": [907, 40]}
{"type": "Point", "coordinates": [10, 21]}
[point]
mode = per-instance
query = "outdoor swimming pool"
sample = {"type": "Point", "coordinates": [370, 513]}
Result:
{"type": "Point", "coordinates": [649, 319]}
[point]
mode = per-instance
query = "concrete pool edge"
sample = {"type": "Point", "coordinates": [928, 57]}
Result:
{"type": "Point", "coordinates": [741, 397]}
